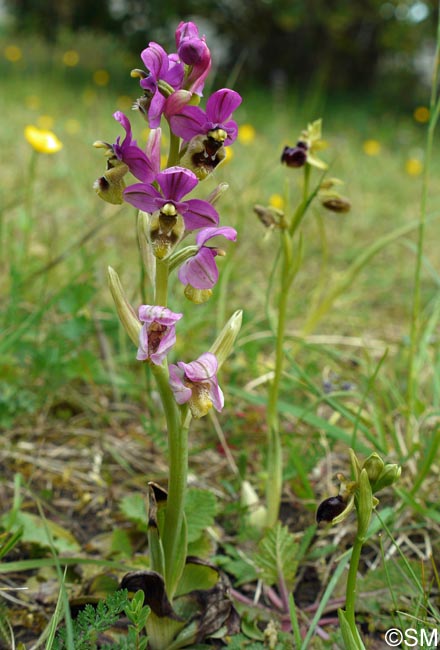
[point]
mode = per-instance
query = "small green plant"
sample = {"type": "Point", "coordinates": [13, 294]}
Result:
{"type": "Point", "coordinates": [357, 495]}
{"type": "Point", "coordinates": [137, 613]}
{"type": "Point", "coordinates": [91, 622]}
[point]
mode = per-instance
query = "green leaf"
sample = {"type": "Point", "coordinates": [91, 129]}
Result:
{"type": "Point", "coordinates": [197, 576]}
{"type": "Point", "coordinates": [351, 642]}
{"type": "Point", "coordinates": [120, 543]}
{"type": "Point", "coordinates": [277, 555]}
{"type": "Point", "coordinates": [200, 510]}
{"type": "Point", "coordinates": [202, 547]}
{"type": "Point", "coordinates": [133, 507]}
{"type": "Point", "coordinates": [237, 564]}
{"type": "Point", "coordinates": [34, 531]}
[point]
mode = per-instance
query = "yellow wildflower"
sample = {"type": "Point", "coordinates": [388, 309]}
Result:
{"type": "Point", "coordinates": [372, 147]}
{"type": "Point", "coordinates": [421, 114]}
{"type": "Point", "coordinates": [13, 53]}
{"type": "Point", "coordinates": [413, 166]}
{"type": "Point", "coordinates": [276, 201]}
{"type": "Point", "coordinates": [71, 58]}
{"type": "Point", "coordinates": [101, 77]}
{"type": "Point", "coordinates": [42, 140]}
{"type": "Point", "coordinates": [246, 134]}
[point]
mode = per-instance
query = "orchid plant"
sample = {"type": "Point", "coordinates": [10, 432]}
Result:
{"type": "Point", "coordinates": [358, 495]}
{"type": "Point", "coordinates": [304, 155]}
{"type": "Point", "coordinates": [172, 86]}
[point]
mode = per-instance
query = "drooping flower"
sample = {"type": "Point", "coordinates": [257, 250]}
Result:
{"type": "Point", "coordinates": [123, 157]}
{"type": "Point", "coordinates": [42, 140]}
{"type": "Point", "coordinates": [165, 75]}
{"type": "Point", "coordinates": [158, 333]}
{"type": "Point", "coordinates": [128, 152]}
{"type": "Point", "coordinates": [194, 52]}
{"type": "Point", "coordinates": [305, 149]}
{"type": "Point", "coordinates": [330, 198]}
{"type": "Point", "coordinates": [196, 383]}
{"type": "Point", "coordinates": [295, 156]}
{"type": "Point", "coordinates": [200, 273]}
{"type": "Point", "coordinates": [207, 132]}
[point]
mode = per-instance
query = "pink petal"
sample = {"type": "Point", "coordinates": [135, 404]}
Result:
{"type": "Point", "coordinates": [156, 313]}
{"type": "Point", "coordinates": [188, 123]}
{"type": "Point", "coordinates": [182, 393]}
{"type": "Point", "coordinates": [155, 60]}
{"type": "Point", "coordinates": [222, 104]}
{"type": "Point", "coordinates": [200, 214]}
{"type": "Point", "coordinates": [153, 148]}
{"type": "Point", "coordinates": [142, 353]}
{"type": "Point", "coordinates": [139, 164]}
{"type": "Point", "coordinates": [216, 393]}
{"type": "Point", "coordinates": [175, 102]}
{"type": "Point", "coordinates": [202, 368]}
{"type": "Point", "coordinates": [156, 109]}
{"type": "Point", "coordinates": [143, 196]}
{"type": "Point", "coordinates": [200, 271]}
{"type": "Point", "coordinates": [175, 182]}
{"type": "Point", "coordinates": [125, 122]}
{"type": "Point", "coordinates": [208, 233]}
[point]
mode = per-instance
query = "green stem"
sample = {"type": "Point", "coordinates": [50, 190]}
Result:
{"type": "Point", "coordinates": [351, 586]}
{"type": "Point", "coordinates": [29, 196]}
{"type": "Point", "coordinates": [178, 470]}
{"type": "Point", "coordinates": [416, 305]}
{"type": "Point", "coordinates": [162, 272]}
{"type": "Point", "coordinates": [274, 453]}
{"type": "Point", "coordinates": [305, 202]}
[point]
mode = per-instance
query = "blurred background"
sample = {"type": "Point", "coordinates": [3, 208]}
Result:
{"type": "Point", "coordinates": [367, 46]}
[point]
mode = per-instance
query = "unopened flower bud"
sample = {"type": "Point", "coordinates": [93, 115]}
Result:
{"type": "Point", "coordinates": [125, 311]}
{"type": "Point", "coordinates": [217, 193]}
{"type": "Point", "coordinates": [269, 217]}
{"type": "Point", "coordinates": [224, 342]}
{"type": "Point", "coordinates": [329, 183]}
{"type": "Point", "coordinates": [335, 203]}
{"type": "Point", "coordinates": [374, 466]}
{"type": "Point", "coordinates": [389, 475]}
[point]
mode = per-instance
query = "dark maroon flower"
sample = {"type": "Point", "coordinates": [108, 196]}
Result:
{"type": "Point", "coordinates": [295, 156]}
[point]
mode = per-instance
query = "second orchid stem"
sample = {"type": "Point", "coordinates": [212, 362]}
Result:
{"type": "Point", "coordinates": [274, 452]}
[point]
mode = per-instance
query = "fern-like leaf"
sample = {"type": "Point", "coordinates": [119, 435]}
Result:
{"type": "Point", "coordinates": [276, 557]}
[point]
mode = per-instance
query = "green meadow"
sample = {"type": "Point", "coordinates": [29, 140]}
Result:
{"type": "Point", "coordinates": [82, 426]}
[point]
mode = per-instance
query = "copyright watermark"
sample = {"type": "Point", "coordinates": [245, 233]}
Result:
{"type": "Point", "coordinates": [412, 638]}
